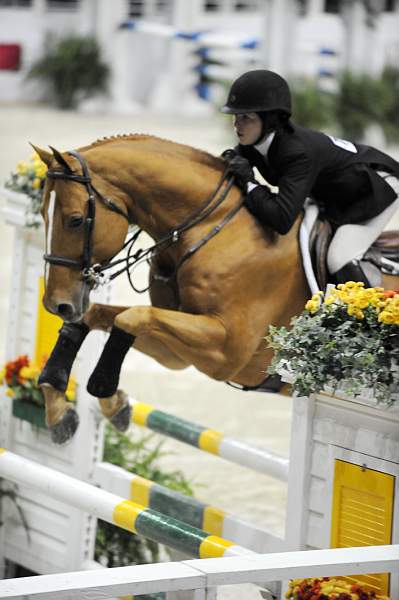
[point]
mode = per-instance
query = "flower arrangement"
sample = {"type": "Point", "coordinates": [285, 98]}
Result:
{"type": "Point", "coordinates": [21, 378]}
{"type": "Point", "coordinates": [348, 337]}
{"type": "Point", "coordinates": [29, 179]}
{"type": "Point", "coordinates": [328, 588]}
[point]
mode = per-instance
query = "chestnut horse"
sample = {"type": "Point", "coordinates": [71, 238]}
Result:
{"type": "Point", "coordinates": [218, 278]}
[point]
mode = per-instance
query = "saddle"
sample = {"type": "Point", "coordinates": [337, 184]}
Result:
{"type": "Point", "coordinates": [381, 257]}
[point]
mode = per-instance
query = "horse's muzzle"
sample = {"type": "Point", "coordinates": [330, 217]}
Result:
{"type": "Point", "coordinates": [70, 309]}
{"type": "Point", "coordinates": [67, 312]}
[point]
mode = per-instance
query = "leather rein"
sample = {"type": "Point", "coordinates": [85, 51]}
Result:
{"type": "Point", "coordinates": [94, 274]}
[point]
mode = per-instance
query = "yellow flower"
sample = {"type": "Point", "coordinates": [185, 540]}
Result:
{"type": "Point", "coordinates": [311, 306]}
{"type": "Point", "coordinates": [386, 317]}
{"type": "Point", "coordinates": [330, 299]}
{"type": "Point", "coordinates": [10, 392]}
{"type": "Point", "coordinates": [29, 372]}
{"type": "Point", "coordinates": [354, 311]}
{"type": "Point", "coordinates": [2, 375]}
{"type": "Point", "coordinates": [40, 170]}
{"type": "Point", "coordinates": [349, 285]}
{"type": "Point", "coordinates": [22, 168]}
{"type": "Point", "coordinates": [36, 183]}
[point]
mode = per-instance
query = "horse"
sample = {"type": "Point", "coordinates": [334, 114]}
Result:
{"type": "Point", "coordinates": [217, 279]}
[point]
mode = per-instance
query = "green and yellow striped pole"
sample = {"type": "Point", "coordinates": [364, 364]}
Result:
{"type": "Point", "coordinates": [115, 510]}
{"type": "Point", "coordinates": [202, 515]}
{"type": "Point", "coordinates": [207, 439]}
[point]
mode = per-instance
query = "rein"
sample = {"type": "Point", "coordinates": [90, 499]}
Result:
{"type": "Point", "coordinates": [94, 274]}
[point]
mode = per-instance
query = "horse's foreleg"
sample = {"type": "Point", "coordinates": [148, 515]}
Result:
{"type": "Point", "coordinates": [198, 340]}
{"type": "Point", "coordinates": [102, 317]}
{"type": "Point", "coordinates": [61, 418]}
{"type": "Point", "coordinates": [58, 367]}
{"type": "Point", "coordinates": [116, 408]}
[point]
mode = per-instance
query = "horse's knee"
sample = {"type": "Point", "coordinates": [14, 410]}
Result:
{"type": "Point", "coordinates": [98, 317]}
{"type": "Point", "coordinates": [135, 320]}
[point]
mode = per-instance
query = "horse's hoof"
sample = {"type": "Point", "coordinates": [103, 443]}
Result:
{"type": "Point", "coordinates": [122, 418]}
{"type": "Point", "coordinates": [66, 427]}
{"type": "Point", "coordinates": [102, 384]}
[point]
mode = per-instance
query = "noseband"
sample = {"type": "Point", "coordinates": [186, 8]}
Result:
{"type": "Point", "coordinates": [93, 275]}
{"type": "Point", "coordinates": [88, 270]}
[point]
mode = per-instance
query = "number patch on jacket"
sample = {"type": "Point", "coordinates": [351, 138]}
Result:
{"type": "Point", "coordinates": [343, 144]}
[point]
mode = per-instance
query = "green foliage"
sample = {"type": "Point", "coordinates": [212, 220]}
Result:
{"type": "Point", "coordinates": [390, 119]}
{"type": "Point", "coordinates": [72, 68]}
{"type": "Point", "coordinates": [116, 547]}
{"type": "Point", "coordinates": [311, 106]}
{"type": "Point", "coordinates": [361, 101]}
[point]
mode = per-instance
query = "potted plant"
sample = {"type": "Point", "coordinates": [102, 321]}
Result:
{"type": "Point", "coordinates": [25, 188]}
{"type": "Point", "coordinates": [347, 340]}
{"type": "Point", "coordinates": [329, 588]}
{"type": "Point", "coordinates": [21, 379]}
{"type": "Point", "coordinates": [72, 68]}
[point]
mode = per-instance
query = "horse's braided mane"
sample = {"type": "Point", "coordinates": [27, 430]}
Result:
{"type": "Point", "coordinates": [200, 155]}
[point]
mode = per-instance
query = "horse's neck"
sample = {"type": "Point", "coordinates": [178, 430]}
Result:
{"type": "Point", "coordinates": [159, 190]}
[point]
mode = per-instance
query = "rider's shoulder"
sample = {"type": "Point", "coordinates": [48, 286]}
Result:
{"type": "Point", "coordinates": [292, 141]}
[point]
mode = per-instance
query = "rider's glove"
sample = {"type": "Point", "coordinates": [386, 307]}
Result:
{"type": "Point", "coordinates": [242, 171]}
{"type": "Point", "coordinates": [228, 155]}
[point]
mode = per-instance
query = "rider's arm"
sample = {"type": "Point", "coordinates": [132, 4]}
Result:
{"type": "Point", "coordinates": [280, 210]}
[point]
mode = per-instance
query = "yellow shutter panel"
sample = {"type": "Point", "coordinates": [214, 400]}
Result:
{"type": "Point", "coordinates": [47, 327]}
{"type": "Point", "coordinates": [362, 514]}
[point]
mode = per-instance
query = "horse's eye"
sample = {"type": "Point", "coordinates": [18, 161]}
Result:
{"type": "Point", "coordinates": [74, 221]}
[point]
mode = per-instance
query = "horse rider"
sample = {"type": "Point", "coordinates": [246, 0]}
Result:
{"type": "Point", "coordinates": [356, 186]}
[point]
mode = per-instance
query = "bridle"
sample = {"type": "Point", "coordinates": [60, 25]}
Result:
{"type": "Point", "coordinates": [84, 263]}
{"type": "Point", "coordinates": [93, 274]}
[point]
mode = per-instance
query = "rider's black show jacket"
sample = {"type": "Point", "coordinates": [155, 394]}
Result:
{"type": "Point", "coordinates": [340, 176]}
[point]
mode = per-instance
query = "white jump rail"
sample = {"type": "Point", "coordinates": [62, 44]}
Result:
{"type": "Point", "coordinates": [206, 38]}
{"type": "Point", "coordinates": [201, 574]}
{"type": "Point", "coordinates": [116, 510]}
{"type": "Point", "coordinates": [209, 440]}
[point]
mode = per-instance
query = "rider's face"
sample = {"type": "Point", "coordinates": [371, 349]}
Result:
{"type": "Point", "coordinates": [248, 127]}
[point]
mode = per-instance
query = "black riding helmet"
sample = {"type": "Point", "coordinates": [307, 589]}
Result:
{"type": "Point", "coordinates": [258, 91]}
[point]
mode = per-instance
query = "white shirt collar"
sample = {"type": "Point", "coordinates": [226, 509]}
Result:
{"type": "Point", "coordinates": [263, 147]}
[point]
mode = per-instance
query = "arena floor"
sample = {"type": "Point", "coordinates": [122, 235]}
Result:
{"type": "Point", "coordinates": [259, 419]}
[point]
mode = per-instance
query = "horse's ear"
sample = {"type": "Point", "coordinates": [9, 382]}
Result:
{"type": "Point", "coordinates": [45, 156]}
{"type": "Point", "coordinates": [61, 160]}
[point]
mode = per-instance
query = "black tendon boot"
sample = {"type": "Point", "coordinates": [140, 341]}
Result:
{"type": "Point", "coordinates": [104, 380]}
{"type": "Point", "coordinates": [352, 271]}
{"type": "Point", "coordinates": [58, 367]}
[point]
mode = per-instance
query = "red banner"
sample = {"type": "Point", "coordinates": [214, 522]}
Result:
{"type": "Point", "coordinates": [10, 57]}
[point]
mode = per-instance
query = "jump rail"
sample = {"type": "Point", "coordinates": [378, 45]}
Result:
{"type": "Point", "coordinates": [202, 575]}
{"type": "Point", "coordinates": [205, 37]}
{"type": "Point", "coordinates": [258, 459]}
{"type": "Point", "coordinates": [116, 510]}
{"type": "Point", "coordinates": [204, 516]}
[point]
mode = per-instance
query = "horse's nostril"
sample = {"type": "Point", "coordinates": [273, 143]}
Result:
{"type": "Point", "coordinates": [65, 311]}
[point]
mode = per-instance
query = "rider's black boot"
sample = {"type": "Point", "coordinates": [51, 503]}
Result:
{"type": "Point", "coordinates": [352, 271]}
